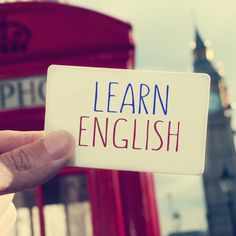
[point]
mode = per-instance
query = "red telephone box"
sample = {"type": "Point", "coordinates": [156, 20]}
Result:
{"type": "Point", "coordinates": [34, 35]}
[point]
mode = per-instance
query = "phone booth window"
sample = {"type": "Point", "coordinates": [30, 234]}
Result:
{"type": "Point", "coordinates": [66, 206]}
{"type": "Point", "coordinates": [27, 223]}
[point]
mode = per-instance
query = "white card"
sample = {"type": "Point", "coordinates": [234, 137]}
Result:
{"type": "Point", "coordinates": [129, 119]}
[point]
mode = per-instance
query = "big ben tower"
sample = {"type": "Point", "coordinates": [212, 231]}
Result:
{"type": "Point", "coordinates": [219, 179]}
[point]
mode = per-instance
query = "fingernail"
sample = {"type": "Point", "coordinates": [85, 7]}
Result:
{"type": "Point", "coordinates": [57, 144]}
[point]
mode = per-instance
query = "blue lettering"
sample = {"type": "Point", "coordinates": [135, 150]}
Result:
{"type": "Point", "coordinates": [142, 96]}
{"type": "Point", "coordinates": [164, 108]}
{"type": "Point", "coordinates": [132, 104]}
{"type": "Point", "coordinates": [96, 99]}
{"type": "Point", "coordinates": [109, 97]}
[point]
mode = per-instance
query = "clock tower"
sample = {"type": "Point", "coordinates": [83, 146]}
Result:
{"type": "Point", "coordinates": [219, 179]}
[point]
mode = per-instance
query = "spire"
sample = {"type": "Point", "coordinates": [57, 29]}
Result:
{"type": "Point", "coordinates": [202, 64]}
{"type": "Point", "coordinates": [199, 42]}
{"type": "Point", "coordinates": [202, 57]}
{"type": "Point", "coordinates": [199, 47]}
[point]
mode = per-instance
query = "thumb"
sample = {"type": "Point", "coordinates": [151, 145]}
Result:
{"type": "Point", "coordinates": [35, 163]}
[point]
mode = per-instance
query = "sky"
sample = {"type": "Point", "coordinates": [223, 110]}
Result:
{"type": "Point", "coordinates": [163, 30]}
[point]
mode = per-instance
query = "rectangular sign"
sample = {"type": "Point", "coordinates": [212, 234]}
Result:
{"type": "Point", "coordinates": [130, 119]}
{"type": "Point", "coordinates": [26, 92]}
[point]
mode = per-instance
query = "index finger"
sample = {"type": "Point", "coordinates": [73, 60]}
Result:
{"type": "Point", "coordinates": [10, 140]}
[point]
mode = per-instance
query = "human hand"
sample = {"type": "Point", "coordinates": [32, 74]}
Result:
{"type": "Point", "coordinates": [28, 159]}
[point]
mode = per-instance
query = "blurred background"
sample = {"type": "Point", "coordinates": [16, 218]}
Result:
{"type": "Point", "coordinates": [186, 36]}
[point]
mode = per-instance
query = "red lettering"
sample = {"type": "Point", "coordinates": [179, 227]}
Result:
{"type": "Point", "coordinates": [134, 136]}
{"type": "Point", "coordinates": [114, 135]}
{"type": "Point", "coordinates": [159, 135]}
{"type": "Point", "coordinates": [147, 134]}
{"type": "Point", "coordinates": [173, 134]}
{"type": "Point", "coordinates": [80, 131]}
{"type": "Point", "coordinates": [96, 126]}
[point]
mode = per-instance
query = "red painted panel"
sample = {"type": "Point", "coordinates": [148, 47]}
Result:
{"type": "Point", "coordinates": [39, 203]}
{"type": "Point", "coordinates": [35, 32]}
{"type": "Point", "coordinates": [106, 203]}
{"type": "Point", "coordinates": [149, 204]}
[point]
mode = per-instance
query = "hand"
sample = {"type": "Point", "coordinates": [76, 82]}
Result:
{"type": "Point", "coordinates": [28, 159]}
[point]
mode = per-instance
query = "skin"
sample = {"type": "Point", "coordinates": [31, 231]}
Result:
{"type": "Point", "coordinates": [23, 156]}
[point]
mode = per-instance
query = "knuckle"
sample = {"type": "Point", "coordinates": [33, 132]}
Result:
{"type": "Point", "coordinates": [21, 159]}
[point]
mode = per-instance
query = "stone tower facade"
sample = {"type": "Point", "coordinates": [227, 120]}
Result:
{"type": "Point", "coordinates": [219, 179]}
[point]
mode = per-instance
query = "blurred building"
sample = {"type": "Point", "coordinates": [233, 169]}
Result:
{"type": "Point", "coordinates": [220, 170]}
{"type": "Point", "coordinates": [189, 233]}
